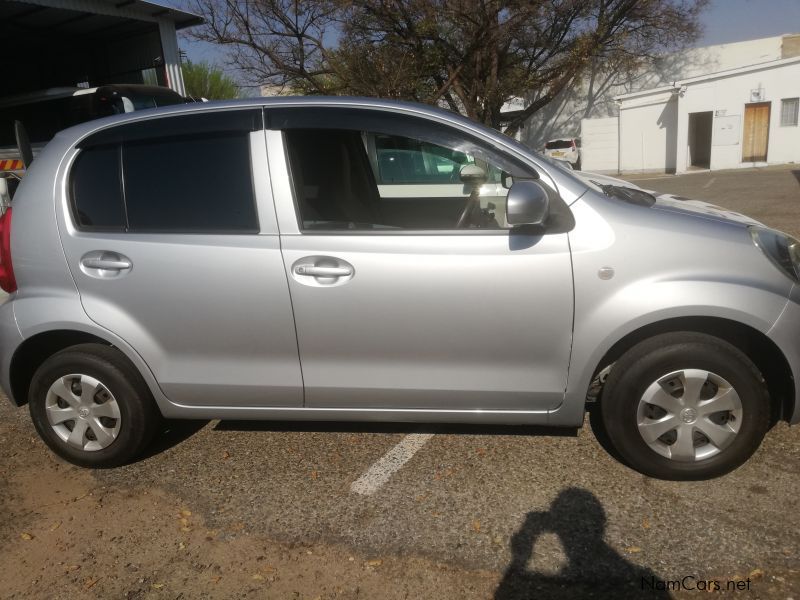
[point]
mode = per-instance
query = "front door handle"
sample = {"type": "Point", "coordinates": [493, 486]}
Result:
{"type": "Point", "coordinates": [315, 271]}
{"type": "Point", "coordinates": [322, 271]}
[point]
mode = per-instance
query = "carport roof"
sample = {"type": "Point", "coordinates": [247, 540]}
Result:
{"type": "Point", "coordinates": [92, 18]}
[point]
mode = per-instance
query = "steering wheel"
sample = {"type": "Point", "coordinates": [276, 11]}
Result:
{"type": "Point", "coordinates": [473, 176]}
{"type": "Point", "coordinates": [469, 209]}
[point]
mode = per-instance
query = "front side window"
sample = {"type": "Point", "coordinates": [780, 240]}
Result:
{"type": "Point", "coordinates": [166, 176]}
{"type": "Point", "coordinates": [789, 110]}
{"type": "Point", "coordinates": [416, 176]}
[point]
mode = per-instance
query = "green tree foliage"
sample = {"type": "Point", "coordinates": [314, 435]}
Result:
{"type": "Point", "coordinates": [203, 80]}
{"type": "Point", "coordinates": [469, 55]}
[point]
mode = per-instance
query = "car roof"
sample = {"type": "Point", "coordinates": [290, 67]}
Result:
{"type": "Point", "coordinates": [69, 138]}
{"type": "Point", "coordinates": [74, 134]}
{"type": "Point", "coordinates": [255, 102]}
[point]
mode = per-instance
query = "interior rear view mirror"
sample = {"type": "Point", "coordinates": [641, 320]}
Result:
{"type": "Point", "coordinates": [472, 175]}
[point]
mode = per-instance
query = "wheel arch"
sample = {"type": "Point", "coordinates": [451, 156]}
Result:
{"type": "Point", "coordinates": [33, 351]}
{"type": "Point", "coordinates": [761, 350]}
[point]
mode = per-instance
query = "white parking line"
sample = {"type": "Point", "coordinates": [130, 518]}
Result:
{"type": "Point", "coordinates": [391, 462]}
{"type": "Point", "coordinates": [710, 181]}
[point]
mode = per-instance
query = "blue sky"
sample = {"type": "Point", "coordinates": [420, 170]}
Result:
{"type": "Point", "coordinates": [724, 21]}
{"type": "Point", "coordinates": [737, 20]}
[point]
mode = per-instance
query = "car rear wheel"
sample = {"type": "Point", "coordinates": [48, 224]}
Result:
{"type": "Point", "coordinates": [91, 407]}
{"type": "Point", "coordinates": [685, 406]}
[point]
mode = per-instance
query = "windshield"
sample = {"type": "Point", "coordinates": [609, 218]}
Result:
{"type": "Point", "coordinates": [150, 100]}
{"type": "Point", "coordinates": [45, 117]}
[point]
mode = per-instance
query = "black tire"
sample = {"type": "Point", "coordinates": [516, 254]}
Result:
{"type": "Point", "coordinates": [650, 360]}
{"type": "Point", "coordinates": [577, 165]}
{"type": "Point", "coordinates": [139, 416]}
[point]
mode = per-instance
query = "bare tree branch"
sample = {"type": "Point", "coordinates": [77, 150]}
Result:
{"type": "Point", "coordinates": [468, 55]}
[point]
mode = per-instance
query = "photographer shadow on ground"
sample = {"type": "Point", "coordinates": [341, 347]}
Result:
{"type": "Point", "coordinates": [592, 568]}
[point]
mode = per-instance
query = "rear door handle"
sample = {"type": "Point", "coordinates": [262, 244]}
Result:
{"type": "Point", "coordinates": [104, 264]}
{"type": "Point", "coordinates": [315, 271]}
{"type": "Point", "coordinates": [107, 264]}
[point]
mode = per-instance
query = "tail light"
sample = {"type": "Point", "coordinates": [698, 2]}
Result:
{"type": "Point", "coordinates": [574, 147]}
{"type": "Point", "coordinates": [7, 280]}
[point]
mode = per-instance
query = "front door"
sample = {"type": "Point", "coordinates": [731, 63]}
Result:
{"type": "Point", "coordinates": [409, 291]}
{"type": "Point", "coordinates": [756, 132]}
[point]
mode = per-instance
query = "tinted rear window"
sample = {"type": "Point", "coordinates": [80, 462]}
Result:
{"type": "Point", "coordinates": [558, 145]}
{"type": "Point", "coordinates": [188, 174]}
{"type": "Point", "coordinates": [197, 183]}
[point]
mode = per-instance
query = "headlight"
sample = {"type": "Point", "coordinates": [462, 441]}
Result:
{"type": "Point", "coordinates": [781, 249]}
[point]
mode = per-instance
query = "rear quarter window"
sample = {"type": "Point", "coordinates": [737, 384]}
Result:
{"type": "Point", "coordinates": [96, 189]}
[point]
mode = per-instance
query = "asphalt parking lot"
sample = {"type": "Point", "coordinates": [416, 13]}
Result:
{"type": "Point", "coordinates": [283, 510]}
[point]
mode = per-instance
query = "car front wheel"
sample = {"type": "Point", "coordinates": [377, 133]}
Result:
{"type": "Point", "coordinates": [685, 406]}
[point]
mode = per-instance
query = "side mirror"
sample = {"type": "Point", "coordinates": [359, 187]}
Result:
{"type": "Point", "coordinates": [527, 203]}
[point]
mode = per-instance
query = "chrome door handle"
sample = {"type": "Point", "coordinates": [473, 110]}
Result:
{"type": "Point", "coordinates": [315, 271]}
{"type": "Point", "coordinates": [107, 264]}
{"type": "Point", "coordinates": [322, 271]}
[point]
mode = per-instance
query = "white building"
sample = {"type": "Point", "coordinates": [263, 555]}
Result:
{"type": "Point", "coordinates": [590, 109]}
{"type": "Point", "coordinates": [593, 97]}
{"type": "Point", "coordinates": [740, 117]}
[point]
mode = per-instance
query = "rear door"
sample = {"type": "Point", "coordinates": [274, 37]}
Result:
{"type": "Point", "coordinates": [172, 240]}
{"type": "Point", "coordinates": [395, 306]}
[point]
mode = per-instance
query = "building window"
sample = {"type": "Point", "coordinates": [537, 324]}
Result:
{"type": "Point", "coordinates": [789, 108]}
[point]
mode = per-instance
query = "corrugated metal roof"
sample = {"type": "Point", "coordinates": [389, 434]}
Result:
{"type": "Point", "coordinates": [91, 17]}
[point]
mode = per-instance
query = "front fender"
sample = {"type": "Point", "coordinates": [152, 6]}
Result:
{"type": "Point", "coordinates": [664, 266]}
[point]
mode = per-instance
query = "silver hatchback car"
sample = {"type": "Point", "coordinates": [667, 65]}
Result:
{"type": "Point", "coordinates": [354, 259]}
